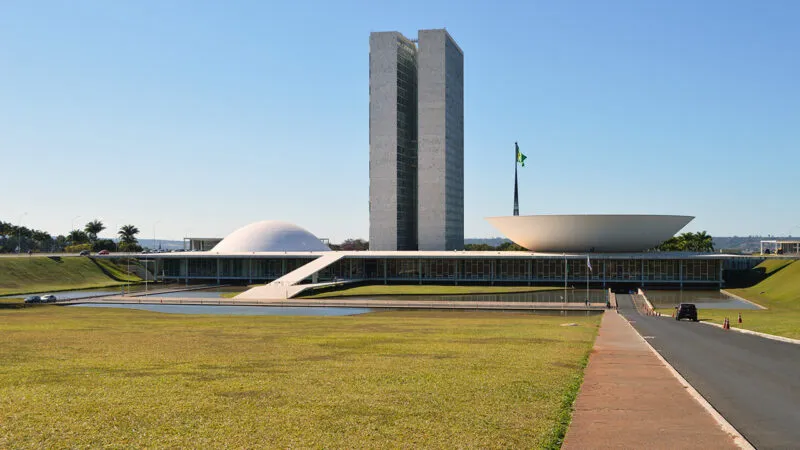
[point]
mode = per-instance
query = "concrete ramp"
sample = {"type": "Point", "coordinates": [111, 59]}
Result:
{"type": "Point", "coordinates": [287, 286]}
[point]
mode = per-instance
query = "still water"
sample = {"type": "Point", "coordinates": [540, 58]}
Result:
{"type": "Point", "coordinates": [555, 296]}
{"type": "Point", "coordinates": [233, 310]}
{"type": "Point", "coordinates": [702, 299]}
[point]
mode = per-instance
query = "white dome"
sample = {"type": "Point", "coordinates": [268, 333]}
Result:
{"type": "Point", "coordinates": [270, 236]}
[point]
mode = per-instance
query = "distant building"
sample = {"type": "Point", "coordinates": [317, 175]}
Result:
{"type": "Point", "coordinates": [780, 247]}
{"type": "Point", "coordinates": [416, 129]}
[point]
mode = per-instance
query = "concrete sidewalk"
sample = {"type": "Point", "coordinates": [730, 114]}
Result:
{"type": "Point", "coordinates": [630, 399]}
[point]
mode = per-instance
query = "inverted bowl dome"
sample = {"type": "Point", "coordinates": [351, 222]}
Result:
{"type": "Point", "coordinates": [589, 232]}
{"type": "Point", "coordinates": [270, 236]}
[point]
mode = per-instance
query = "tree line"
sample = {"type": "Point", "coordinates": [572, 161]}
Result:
{"type": "Point", "coordinates": [688, 242]}
{"type": "Point", "coordinates": [20, 239]}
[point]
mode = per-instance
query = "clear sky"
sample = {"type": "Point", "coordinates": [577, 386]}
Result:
{"type": "Point", "coordinates": [197, 117]}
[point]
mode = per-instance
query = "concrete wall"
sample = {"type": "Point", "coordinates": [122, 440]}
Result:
{"type": "Point", "coordinates": [383, 140]}
{"type": "Point", "coordinates": [441, 142]}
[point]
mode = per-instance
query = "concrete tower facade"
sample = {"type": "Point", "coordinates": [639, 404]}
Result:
{"type": "Point", "coordinates": [440, 74]}
{"type": "Point", "coordinates": [392, 142]}
{"type": "Point", "coordinates": [416, 140]}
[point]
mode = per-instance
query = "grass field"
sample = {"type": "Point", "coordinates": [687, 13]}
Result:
{"type": "Point", "coordinates": [422, 289]}
{"type": "Point", "coordinates": [779, 292]}
{"type": "Point", "coordinates": [90, 377]}
{"type": "Point", "coordinates": [24, 275]}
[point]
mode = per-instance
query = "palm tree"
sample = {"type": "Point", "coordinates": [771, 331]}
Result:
{"type": "Point", "coordinates": [93, 228]}
{"type": "Point", "coordinates": [77, 237]}
{"type": "Point", "coordinates": [704, 241]}
{"type": "Point", "coordinates": [127, 235]}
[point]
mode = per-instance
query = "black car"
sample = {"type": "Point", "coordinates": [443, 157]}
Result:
{"type": "Point", "coordinates": [686, 311]}
{"type": "Point", "coordinates": [33, 299]}
{"type": "Point", "coordinates": [84, 253]}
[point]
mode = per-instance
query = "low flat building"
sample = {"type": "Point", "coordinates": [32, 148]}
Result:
{"type": "Point", "coordinates": [268, 251]}
{"type": "Point", "coordinates": [780, 247]}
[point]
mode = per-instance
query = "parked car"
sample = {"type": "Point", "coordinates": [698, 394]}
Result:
{"type": "Point", "coordinates": [686, 311]}
{"type": "Point", "coordinates": [103, 252]}
{"type": "Point", "coordinates": [33, 299]}
{"type": "Point", "coordinates": [84, 253]}
{"type": "Point", "coordinates": [49, 298]}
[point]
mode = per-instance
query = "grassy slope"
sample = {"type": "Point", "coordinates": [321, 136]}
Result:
{"type": "Point", "coordinates": [86, 377]}
{"type": "Point", "coordinates": [37, 274]}
{"type": "Point", "coordinates": [780, 293]}
{"type": "Point", "coordinates": [414, 289]}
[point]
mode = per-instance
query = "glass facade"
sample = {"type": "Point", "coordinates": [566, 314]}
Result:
{"type": "Point", "coordinates": [539, 270]}
{"type": "Point", "coordinates": [406, 145]}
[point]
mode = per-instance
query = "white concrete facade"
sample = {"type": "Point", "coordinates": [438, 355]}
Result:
{"type": "Point", "coordinates": [589, 232]}
{"type": "Point", "coordinates": [392, 142]}
{"type": "Point", "coordinates": [441, 142]}
{"type": "Point", "coordinates": [416, 142]}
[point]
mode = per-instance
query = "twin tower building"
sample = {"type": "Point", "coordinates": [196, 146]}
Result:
{"type": "Point", "coordinates": [416, 142]}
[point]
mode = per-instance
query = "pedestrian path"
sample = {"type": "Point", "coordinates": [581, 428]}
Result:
{"type": "Point", "coordinates": [630, 399]}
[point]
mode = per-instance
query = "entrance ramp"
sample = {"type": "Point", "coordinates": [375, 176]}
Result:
{"type": "Point", "coordinates": [288, 285]}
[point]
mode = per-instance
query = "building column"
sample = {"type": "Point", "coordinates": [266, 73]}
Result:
{"type": "Point", "coordinates": [219, 268]}
{"type": "Point", "coordinates": [604, 273]}
{"type": "Point", "coordinates": [385, 271]}
{"type": "Point", "coordinates": [643, 273]}
{"type": "Point", "coordinates": [530, 270]}
{"type": "Point", "coordinates": [680, 272]}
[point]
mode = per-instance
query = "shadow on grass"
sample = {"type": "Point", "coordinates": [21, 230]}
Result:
{"type": "Point", "coordinates": [740, 279]}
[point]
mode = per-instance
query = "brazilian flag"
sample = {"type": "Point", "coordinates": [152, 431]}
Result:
{"type": "Point", "coordinates": [520, 157]}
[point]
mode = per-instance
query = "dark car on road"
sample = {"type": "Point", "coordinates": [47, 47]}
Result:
{"type": "Point", "coordinates": [33, 299]}
{"type": "Point", "coordinates": [49, 298]}
{"type": "Point", "coordinates": [84, 253]}
{"type": "Point", "coordinates": [686, 311]}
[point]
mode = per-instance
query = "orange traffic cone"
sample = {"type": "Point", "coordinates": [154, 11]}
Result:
{"type": "Point", "coordinates": [740, 317]}
{"type": "Point", "coordinates": [726, 324]}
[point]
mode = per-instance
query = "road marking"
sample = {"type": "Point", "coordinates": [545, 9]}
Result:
{"type": "Point", "coordinates": [737, 437]}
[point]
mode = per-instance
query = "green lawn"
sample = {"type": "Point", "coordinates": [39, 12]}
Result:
{"type": "Point", "coordinates": [779, 292]}
{"type": "Point", "coordinates": [23, 275]}
{"type": "Point", "coordinates": [91, 377]}
{"type": "Point", "coordinates": [424, 289]}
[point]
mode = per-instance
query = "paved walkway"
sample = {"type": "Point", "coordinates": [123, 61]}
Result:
{"type": "Point", "coordinates": [630, 399]}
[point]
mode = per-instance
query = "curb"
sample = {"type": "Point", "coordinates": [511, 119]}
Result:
{"type": "Point", "coordinates": [743, 299]}
{"type": "Point", "coordinates": [746, 331]}
{"type": "Point", "coordinates": [759, 334]}
{"type": "Point", "coordinates": [738, 440]}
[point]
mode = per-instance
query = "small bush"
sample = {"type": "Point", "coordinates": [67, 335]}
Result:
{"type": "Point", "coordinates": [104, 244]}
{"type": "Point", "coordinates": [77, 248]}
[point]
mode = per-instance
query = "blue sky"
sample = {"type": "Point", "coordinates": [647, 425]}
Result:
{"type": "Point", "coordinates": [197, 117]}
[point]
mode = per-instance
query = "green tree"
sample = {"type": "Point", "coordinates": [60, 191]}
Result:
{"type": "Point", "coordinates": [93, 228]}
{"type": "Point", "coordinates": [478, 247]}
{"type": "Point", "coordinates": [510, 247]}
{"type": "Point", "coordinates": [127, 237]}
{"type": "Point", "coordinates": [704, 242]}
{"type": "Point", "coordinates": [354, 244]}
{"type": "Point", "coordinates": [77, 237]}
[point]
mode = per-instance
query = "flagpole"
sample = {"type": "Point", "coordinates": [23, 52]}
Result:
{"type": "Point", "coordinates": [516, 189]}
{"type": "Point", "coordinates": [588, 273]}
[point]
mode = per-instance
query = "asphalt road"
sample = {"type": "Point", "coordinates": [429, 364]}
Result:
{"type": "Point", "coordinates": [752, 381]}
